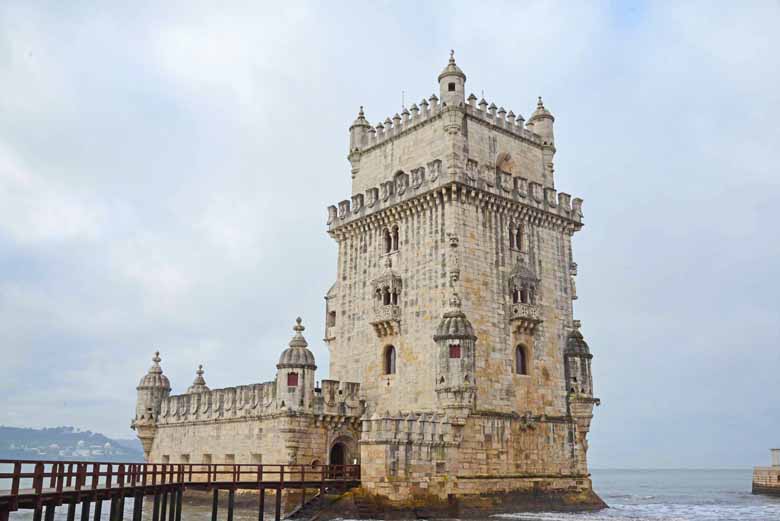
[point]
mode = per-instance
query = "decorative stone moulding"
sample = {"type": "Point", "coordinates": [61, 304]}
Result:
{"type": "Point", "coordinates": [524, 317]}
{"type": "Point", "coordinates": [386, 320]}
{"type": "Point", "coordinates": [403, 187]}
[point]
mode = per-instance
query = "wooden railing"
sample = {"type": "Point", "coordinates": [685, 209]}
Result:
{"type": "Point", "coordinates": [38, 484]}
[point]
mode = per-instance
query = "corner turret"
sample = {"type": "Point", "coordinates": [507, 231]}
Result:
{"type": "Point", "coordinates": [153, 388]}
{"type": "Point", "coordinates": [452, 83]}
{"type": "Point", "coordinates": [295, 373]}
{"type": "Point", "coordinates": [358, 139]}
{"type": "Point", "coordinates": [541, 122]}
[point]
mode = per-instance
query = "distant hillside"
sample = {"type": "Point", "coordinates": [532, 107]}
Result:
{"type": "Point", "coordinates": [65, 443]}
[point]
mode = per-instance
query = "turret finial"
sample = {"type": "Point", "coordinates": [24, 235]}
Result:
{"type": "Point", "coordinates": [452, 55]}
{"type": "Point", "coordinates": [199, 372]}
{"type": "Point", "coordinates": [539, 103]}
{"type": "Point", "coordinates": [156, 358]}
{"type": "Point", "coordinates": [298, 327]}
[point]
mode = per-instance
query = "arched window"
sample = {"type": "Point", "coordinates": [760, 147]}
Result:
{"type": "Point", "coordinates": [519, 238]}
{"type": "Point", "coordinates": [454, 350]}
{"type": "Point", "coordinates": [524, 296]}
{"type": "Point", "coordinates": [521, 360]}
{"type": "Point", "coordinates": [388, 241]}
{"type": "Point", "coordinates": [292, 379]}
{"type": "Point", "coordinates": [511, 236]}
{"type": "Point", "coordinates": [395, 238]}
{"type": "Point", "coordinates": [394, 298]}
{"type": "Point", "coordinates": [386, 295]}
{"type": "Point", "coordinates": [389, 360]}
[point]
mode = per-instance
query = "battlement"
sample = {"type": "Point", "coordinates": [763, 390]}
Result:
{"type": "Point", "coordinates": [498, 117]}
{"type": "Point", "coordinates": [425, 179]}
{"type": "Point", "coordinates": [334, 398]}
{"type": "Point", "coordinates": [431, 109]}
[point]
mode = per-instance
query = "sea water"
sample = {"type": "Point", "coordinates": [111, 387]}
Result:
{"type": "Point", "coordinates": [672, 495]}
{"type": "Point", "coordinates": [633, 495]}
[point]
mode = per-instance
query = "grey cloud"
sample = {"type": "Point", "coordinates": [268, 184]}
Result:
{"type": "Point", "coordinates": [164, 173]}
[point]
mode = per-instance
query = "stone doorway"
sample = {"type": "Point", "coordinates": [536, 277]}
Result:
{"type": "Point", "coordinates": [338, 454]}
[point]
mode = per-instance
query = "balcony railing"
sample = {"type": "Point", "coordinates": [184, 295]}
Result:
{"type": "Point", "coordinates": [386, 319]}
{"type": "Point", "coordinates": [524, 316]}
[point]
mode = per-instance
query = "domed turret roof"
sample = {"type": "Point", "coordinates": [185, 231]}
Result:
{"type": "Point", "coordinates": [155, 377]}
{"type": "Point", "coordinates": [298, 354]}
{"type": "Point", "coordinates": [541, 112]}
{"type": "Point", "coordinates": [454, 323]}
{"type": "Point", "coordinates": [199, 384]}
{"type": "Point", "coordinates": [452, 69]}
{"type": "Point", "coordinates": [360, 121]}
{"type": "Point", "coordinates": [576, 344]}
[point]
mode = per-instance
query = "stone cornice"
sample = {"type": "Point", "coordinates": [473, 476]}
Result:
{"type": "Point", "coordinates": [534, 209]}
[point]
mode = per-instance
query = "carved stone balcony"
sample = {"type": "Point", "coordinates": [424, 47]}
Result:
{"type": "Point", "coordinates": [524, 317]}
{"type": "Point", "coordinates": [386, 320]}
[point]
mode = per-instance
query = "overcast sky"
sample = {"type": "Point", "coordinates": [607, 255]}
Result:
{"type": "Point", "coordinates": [164, 174]}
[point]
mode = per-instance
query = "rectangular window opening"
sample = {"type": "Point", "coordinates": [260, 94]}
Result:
{"type": "Point", "coordinates": [454, 350]}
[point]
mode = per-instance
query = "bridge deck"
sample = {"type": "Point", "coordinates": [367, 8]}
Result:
{"type": "Point", "coordinates": [47, 484]}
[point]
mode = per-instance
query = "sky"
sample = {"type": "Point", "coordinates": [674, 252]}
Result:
{"type": "Point", "coordinates": [165, 170]}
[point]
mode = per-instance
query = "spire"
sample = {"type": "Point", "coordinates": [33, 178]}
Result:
{"type": "Point", "coordinates": [298, 354]}
{"type": "Point", "coordinates": [541, 111]}
{"type": "Point", "coordinates": [199, 384]}
{"type": "Point", "coordinates": [297, 339]}
{"type": "Point", "coordinates": [156, 369]}
{"type": "Point", "coordinates": [360, 121]}
{"type": "Point", "coordinates": [452, 68]}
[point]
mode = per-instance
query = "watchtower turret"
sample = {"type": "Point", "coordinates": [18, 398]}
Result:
{"type": "Point", "coordinates": [452, 83]}
{"type": "Point", "coordinates": [295, 373]}
{"type": "Point", "coordinates": [455, 350]}
{"type": "Point", "coordinates": [153, 388]}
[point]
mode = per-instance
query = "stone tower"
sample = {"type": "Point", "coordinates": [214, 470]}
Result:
{"type": "Point", "coordinates": [153, 388]}
{"type": "Point", "coordinates": [452, 305]}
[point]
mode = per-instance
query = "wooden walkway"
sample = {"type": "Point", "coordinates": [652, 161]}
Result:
{"type": "Point", "coordinates": [45, 485]}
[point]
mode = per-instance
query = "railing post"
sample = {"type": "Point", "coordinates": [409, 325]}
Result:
{"type": "Point", "coordinates": [178, 503]}
{"type": "Point", "coordinates": [215, 504]}
{"type": "Point", "coordinates": [322, 482]}
{"type": "Point", "coordinates": [261, 506]}
{"type": "Point", "coordinates": [71, 510]}
{"type": "Point", "coordinates": [85, 509]}
{"type": "Point", "coordinates": [49, 515]}
{"type": "Point", "coordinates": [95, 475]}
{"type": "Point", "coordinates": [303, 485]}
{"type": "Point", "coordinates": [164, 504]}
{"type": "Point", "coordinates": [231, 502]}
{"type": "Point", "coordinates": [156, 506]}
{"type": "Point", "coordinates": [98, 508]}
{"type": "Point", "coordinates": [138, 506]}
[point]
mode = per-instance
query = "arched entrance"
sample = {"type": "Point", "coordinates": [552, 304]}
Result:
{"type": "Point", "coordinates": [338, 454]}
